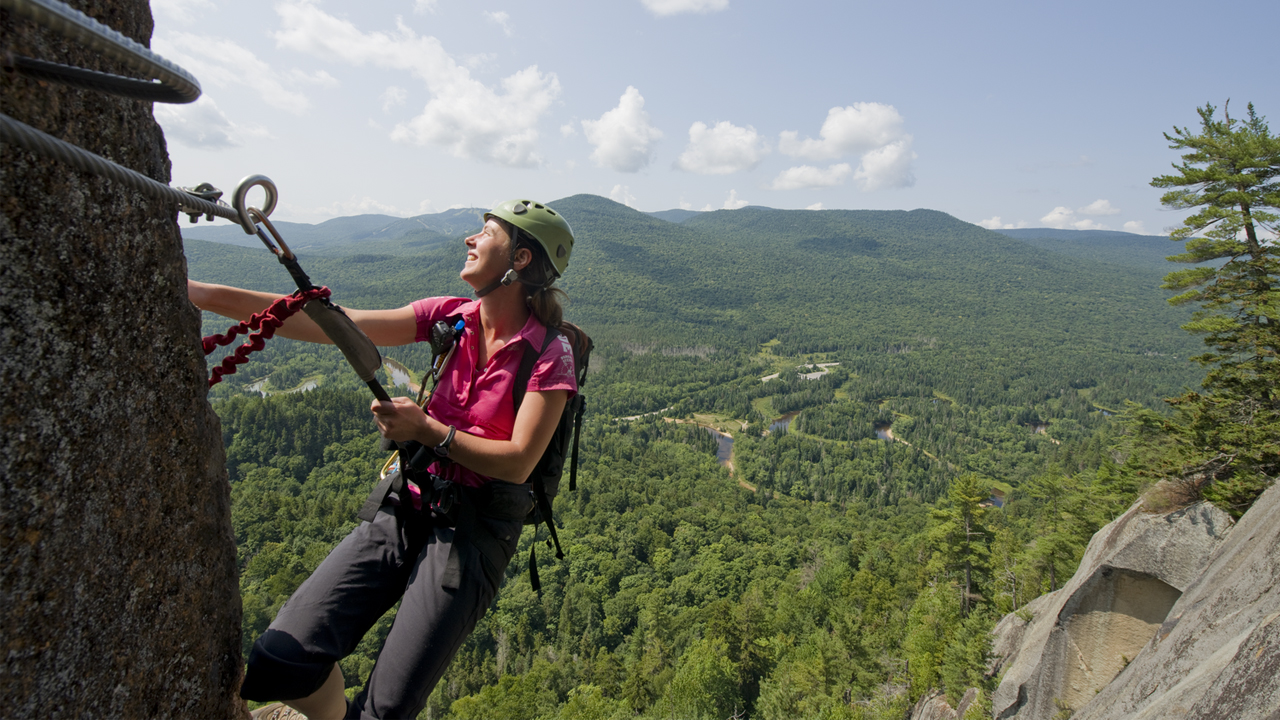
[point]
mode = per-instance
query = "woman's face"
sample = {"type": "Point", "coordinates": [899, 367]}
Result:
{"type": "Point", "coordinates": [488, 255]}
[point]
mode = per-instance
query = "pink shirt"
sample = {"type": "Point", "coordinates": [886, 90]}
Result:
{"type": "Point", "coordinates": [476, 400]}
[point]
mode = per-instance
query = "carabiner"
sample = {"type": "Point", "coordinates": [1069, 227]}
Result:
{"type": "Point", "coordinates": [242, 190]}
{"type": "Point", "coordinates": [258, 217]}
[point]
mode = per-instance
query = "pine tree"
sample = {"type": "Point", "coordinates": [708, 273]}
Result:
{"type": "Point", "coordinates": [960, 537]}
{"type": "Point", "coordinates": [1225, 441]}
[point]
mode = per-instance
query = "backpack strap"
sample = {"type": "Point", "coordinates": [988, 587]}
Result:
{"type": "Point", "coordinates": [518, 390]}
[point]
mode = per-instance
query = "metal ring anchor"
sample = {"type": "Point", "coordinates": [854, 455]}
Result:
{"type": "Point", "coordinates": [242, 190]}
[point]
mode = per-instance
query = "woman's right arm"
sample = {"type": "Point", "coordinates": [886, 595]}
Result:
{"type": "Point", "coordinates": [384, 327]}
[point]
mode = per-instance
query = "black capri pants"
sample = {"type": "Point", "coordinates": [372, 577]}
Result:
{"type": "Point", "coordinates": [447, 577]}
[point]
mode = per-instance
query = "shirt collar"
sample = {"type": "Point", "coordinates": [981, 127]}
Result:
{"type": "Point", "coordinates": [533, 332]}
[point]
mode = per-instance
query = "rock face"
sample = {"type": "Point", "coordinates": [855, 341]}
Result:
{"type": "Point", "coordinates": [1083, 635]}
{"type": "Point", "coordinates": [1217, 655]}
{"type": "Point", "coordinates": [934, 706]}
{"type": "Point", "coordinates": [118, 580]}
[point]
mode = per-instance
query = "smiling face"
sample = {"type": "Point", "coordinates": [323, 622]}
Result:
{"type": "Point", "coordinates": [488, 255]}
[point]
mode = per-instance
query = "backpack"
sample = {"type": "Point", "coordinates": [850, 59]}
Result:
{"type": "Point", "coordinates": [545, 479]}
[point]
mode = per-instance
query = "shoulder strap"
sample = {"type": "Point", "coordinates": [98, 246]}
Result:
{"type": "Point", "coordinates": [527, 361]}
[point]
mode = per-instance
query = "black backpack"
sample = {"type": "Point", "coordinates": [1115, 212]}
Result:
{"type": "Point", "coordinates": [545, 479]}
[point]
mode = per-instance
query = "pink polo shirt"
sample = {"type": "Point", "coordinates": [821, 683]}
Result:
{"type": "Point", "coordinates": [478, 400]}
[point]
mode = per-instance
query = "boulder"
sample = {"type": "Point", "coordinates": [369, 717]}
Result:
{"type": "Point", "coordinates": [1217, 654]}
{"type": "Point", "coordinates": [934, 706]}
{"type": "Point", "coordinates": [1080, 637]}
{"type": "Point", "coordinates": [118, 585]}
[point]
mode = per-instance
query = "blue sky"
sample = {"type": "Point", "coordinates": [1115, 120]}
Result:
{"type": "Point", "coordinates": [1001, 114]}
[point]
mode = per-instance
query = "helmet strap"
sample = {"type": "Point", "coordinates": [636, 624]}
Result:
{"type": "Point", "coordinates": [507, 278]}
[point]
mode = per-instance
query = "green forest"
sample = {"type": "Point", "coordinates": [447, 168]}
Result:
{"type": "Point", "coordinates": [988, 403]}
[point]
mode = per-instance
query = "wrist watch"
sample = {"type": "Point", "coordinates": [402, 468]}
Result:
{"type": "Point", "coordinates": [442, 450]}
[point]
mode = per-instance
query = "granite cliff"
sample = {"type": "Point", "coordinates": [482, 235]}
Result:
{"type": "Point", "coordinates": [119, 580]}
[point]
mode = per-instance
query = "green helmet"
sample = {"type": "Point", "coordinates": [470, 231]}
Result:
{"type": "Point", "coordinates": [545, 225]}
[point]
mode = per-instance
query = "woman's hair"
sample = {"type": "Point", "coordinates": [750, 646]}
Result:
{"type": "Point", "coordinates": [545, 301]}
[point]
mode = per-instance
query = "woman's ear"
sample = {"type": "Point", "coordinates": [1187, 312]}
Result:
{"type": "Point", "coordinates": [522, 258]}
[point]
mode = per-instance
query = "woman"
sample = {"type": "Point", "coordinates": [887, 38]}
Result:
{"type": "Point", "coordinates": [446, 576]}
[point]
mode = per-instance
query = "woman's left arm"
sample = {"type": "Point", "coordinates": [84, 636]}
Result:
{"type": "Point", "coordinates": [510, 460]}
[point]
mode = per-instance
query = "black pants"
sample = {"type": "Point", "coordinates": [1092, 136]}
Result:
{"type": "Point", "coordinates": [373, 567]}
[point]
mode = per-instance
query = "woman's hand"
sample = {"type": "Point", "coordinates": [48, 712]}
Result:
{"type": "Point", "coordinates": [402, 420]}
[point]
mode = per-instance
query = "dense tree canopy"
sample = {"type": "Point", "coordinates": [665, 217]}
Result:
{"type": "Point", "coordinates": [1226, 439]}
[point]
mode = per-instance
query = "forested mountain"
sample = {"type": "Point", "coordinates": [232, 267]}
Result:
{"type": "Point", "coordinates": [823, 575]}
{"type": "Point", "coordinates": [1147, 252]}
{"type": "Point", "coordinates": [340, 234]}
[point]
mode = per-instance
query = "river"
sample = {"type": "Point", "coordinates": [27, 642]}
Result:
{"type": "Point", "coordinates": [784, 422]}
{"type": "Point", "coordinates": [399, 374]}
{"type": "Point", "coordinates": [724, 446]}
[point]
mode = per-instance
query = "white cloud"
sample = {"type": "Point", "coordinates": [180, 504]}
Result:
{"type": "Point", "coordinates": [568, 130]}
{"type": "Point", "coordinates": [808, 176]}
{"type": "Point", "coordinates": [503, 20]}
{"type": "Point", "coordinates": [721, 150]}
{"type": "Point", "coordinates": [685, 204]}
{"type": "Point", "coordinates": [622, 194]}
{"type": "Point", "coordinates": [623, 137]}
{"type": "Point", "coordinates": [464, 116]}
{"type": "Point", "coordinates": [1099, 207]}
{"type": "Point", "coordinates": [856, 129]}
{"type": "Point", "coordinates": [733, 203]}
{"type": "Point", "coordinates": [1136, 227]}
{"type": "Point", "coordinates": [481, 62]}
{"type": "Point", "coordinates": [319, 77]}
{"type": "Point", "coordinates": [995, 223]}
{"type": "Point", "coordinates": [873, 131]}
{"type": "Point", "coordinates": [663, 8]}
{"type": "Point", "coordinates": [394, 96]}
{"type": "Point", "coordinates": [182, 12]}
{"type": "Point", "coordinates": [422, 7]}
{"type": "Point", "coordinates": [1063, 218]}
{"type": "Point", "coordinates": [223, 63]}
{"type": "Point", "coordinates": [888, 166]}
{"type": "Point", "coordinates": [815, 206]}
{"type": "Point", "coordinates": [353, 206]}
{"type": "Point", "coordinates": [202, 125]}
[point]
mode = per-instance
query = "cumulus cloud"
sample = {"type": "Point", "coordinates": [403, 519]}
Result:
{"type": "Point", "coordinates": [622, 194]}
{"type": "Point", "coordinates": [1064, 218]}
{"type": "Point", "coordinates": [1136, 227]}
{"type": "Point", "coordinates": [502, 20]}
{"type": "Point", "coordinates": [392, 97]}
{"type": "Point", "coordinates": [808, 176]}
{"type": "Point", "coordinates": [815, 206]}
{"type": "Point", "coordinates": [856, 129]}
{"type": "Point", "coordinates": [664, 8]}
{"type": "Point", "coordinates": [202, 125]}
{"type": "Point", "coordinates": [888, 166]}
{"type": "Point", "coordinates": [995, 223]}
{"type": "Point", "coordinates": [623, 137]}
{"type": "Point", "coordinates": [721, 150]}
{"type": "Point", "coordinates": [873, 131]}
{"type": "Point", "coordinates": [464, 116]}
{"type": "Point", "coordinates": [1099, 207]}
{"type": "Point", "coordinates": [223, 63]}
{"type": "Point", "coordinates": [422, 7]}
{"type": "Point", "coordinates": [733, 203]}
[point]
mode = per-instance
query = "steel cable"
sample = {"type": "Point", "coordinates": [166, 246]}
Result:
{"type": "Point", "coordinates": [176, 85]}
{"type": "Point", "coordinates": [17, 133]}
